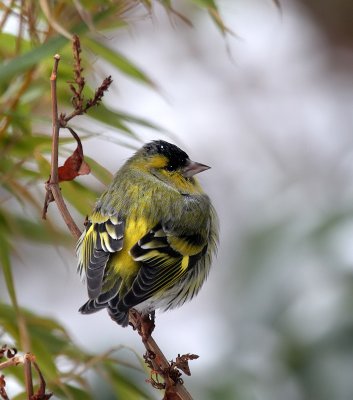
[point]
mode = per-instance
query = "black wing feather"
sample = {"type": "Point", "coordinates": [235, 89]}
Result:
{"type": "Point", "coordinates": [161, 267]}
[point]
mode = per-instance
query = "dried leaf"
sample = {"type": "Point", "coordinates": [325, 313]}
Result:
{"type": "Point", "coordinates": [75, 165]}
{"type": "Point", "coordinates": [182, 362]}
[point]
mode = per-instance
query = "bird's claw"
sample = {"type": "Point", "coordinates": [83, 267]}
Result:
{"type": "Point", "coordinates": [144, 324]}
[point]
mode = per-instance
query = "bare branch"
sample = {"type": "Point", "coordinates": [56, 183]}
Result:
{"type": "Point", "coordinates": [41, 394]}
{"type": "Point", "coordinates": [28, 358]}
{"type": "Point", "coordinates": [3, 393]}
{"type": "Point", "coordinates": [27, 361]}
{"type": "Point", "coordinates": [55, 122]}
{"type": "Point", "coordinates": [12, 362]}
{"type": "Point", "coordinates": [52, 186]}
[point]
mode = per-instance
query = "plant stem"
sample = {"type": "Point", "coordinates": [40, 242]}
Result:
{"type": "Point", "coordinates": [28, 376]}
{"type": "Point", "coordinates": [53, 184]}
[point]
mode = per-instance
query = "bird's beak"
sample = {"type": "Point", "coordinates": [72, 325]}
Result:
{"type": "Point", "coordinates": [192, 168]}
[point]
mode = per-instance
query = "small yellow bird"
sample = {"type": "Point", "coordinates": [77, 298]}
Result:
{"type": "Point", "coordinates": [149, 242]}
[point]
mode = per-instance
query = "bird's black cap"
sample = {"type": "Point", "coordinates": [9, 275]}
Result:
{"type": "Point", "coordinates": [177, 157]}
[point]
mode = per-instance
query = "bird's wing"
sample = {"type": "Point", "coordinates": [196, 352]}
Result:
{"type": "Point", "coordinates": [165, 258]}
{"type": "Point", "coordinates": [102, 237]}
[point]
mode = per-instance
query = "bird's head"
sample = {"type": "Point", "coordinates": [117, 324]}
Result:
{"type": "Point", "coordinates": [169, 163]}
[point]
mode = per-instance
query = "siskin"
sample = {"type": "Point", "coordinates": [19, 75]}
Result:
{"type": "Point", "coordinates": [149, 242]}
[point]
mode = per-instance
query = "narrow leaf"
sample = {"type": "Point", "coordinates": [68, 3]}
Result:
{"type": "Point", "coordinates": [140, 121]}
{"type": "Point", "coordinates": [117, 60]}
{"type": "Point", "coordinates": [79, 196]}
{"type": "Point", "coordinates": [123, 387]}
{"type": "Point", "coordinates": [99, 172]}
{"type": "Point", "coordinates": [211, 7]}
{"type": "Point", "coordinates": [32, 58]}
{"type": "Point", "coordinates": [6, 268]}
{"type": "Point", "coordinates": [28, 60]}
{"type": "Point", "coordinates": [105, 115]}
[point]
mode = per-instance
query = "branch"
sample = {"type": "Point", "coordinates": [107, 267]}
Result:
{"type": "Point", "coordinates": [12, 362]}
{"type": "Point", "coordinates": [52, 186]}
{"type": "Point", "coordinates": [173, 385]}
{"type": "Point", "coordinates": [28, 375]}
{"type": "Point", "coordinates": [27, 360]}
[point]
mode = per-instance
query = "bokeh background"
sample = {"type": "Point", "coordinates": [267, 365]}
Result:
{"type": "Point", "coordinates": [270, 109]}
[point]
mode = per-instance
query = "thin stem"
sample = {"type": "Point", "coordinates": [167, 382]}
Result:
{"type": "Point", "coordinates": [55, 122]}
{"type": "Point", "coordinates": [20, 29]}
{"type": "Point", "coordinates": [53, 188]}
{"type": "Point", "coordinates": [73, 114]}
{"type": "Point", "coordinates": [161, 364]}
{"type": "Point", "coordinates": [12, 104]}
{"type": "Point", "coordinates": [28, 376]}
{"type": "Point", "coordinates": [12, 362]}
{"type": "Point", "coordinates": [42, 384]}
{"type": "Point", "coordinates": [6, 13]}
{"type": "Point", "coordinates": [74, 229]}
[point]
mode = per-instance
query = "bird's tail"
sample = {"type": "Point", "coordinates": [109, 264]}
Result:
{"type": "Point", "coordinates": [120, 317]}
{"type": "Point", "coordinates": [91, 306]}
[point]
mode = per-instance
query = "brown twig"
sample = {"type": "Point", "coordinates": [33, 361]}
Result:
{"type": "Point", "coordinates": [173, 385]}
{"type": "Point", "coordinates": [82, 108]}
{"type": "Point", "coordinates": [6, 13]}
{"type": "Point", "coordinates": [41, 393]}
{"type": "Point", "coordinates": [12, 362]}
{"type": "Point", "coordinates": [3, 393]}
{"type": "Point", "coordinates": [78, 84]}
{"type": "Point", "coordinates": [52, 186]}
{"type": "Point", "coordinates": [28, 375]}
{"type": "Point", "coordinates": [27, 361]}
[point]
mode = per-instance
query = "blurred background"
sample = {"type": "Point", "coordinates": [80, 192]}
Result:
{"type": "Point", "coordinates": [270, 109]}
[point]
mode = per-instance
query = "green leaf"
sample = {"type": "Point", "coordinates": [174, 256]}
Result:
{"type": "Point", "coordinates": [205, 3]}
{"type": "Point", "coordinates": [8, 322]}
{"type": "Point", "coordinates": [24, 146]}
{"type": "Point", "coordinates": [43, 164]}
{"type": "Point", "coordinates": [30, 59]}
{"type": "Point", "coordinates": [79, 196]}
{"type": "Point", "coordinates": [123, 387]}
{"type": "Point", "coordinates": [211, 7]}
{"type": "Point", "coordinates": [6, 267]}
{"type": "Point", "coordinates": [8, 45]}
{"type": "Point", "coordinates": [99, 172]}
{"type": "Point", "coordinates": [140, 121]}
{"type": "Point", "coordinates": [70, 392]}
{"type": "Point", "coordinates": [40, 232]}
{"type": "Point", "coordinates": [21, 192]}
{"type": "Point", "coordinates": [43, 351]}
{"type": "Point", "coordinates": [105, 115]}
{"type": "Point", "coordinates": [117, 60]}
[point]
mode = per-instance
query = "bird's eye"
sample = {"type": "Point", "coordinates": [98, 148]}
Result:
{"type": "Point", "coordinates": [170, 167]}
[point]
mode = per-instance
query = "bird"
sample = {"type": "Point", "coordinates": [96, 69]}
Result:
{"type": "Point", "coordinates": [151, 238]}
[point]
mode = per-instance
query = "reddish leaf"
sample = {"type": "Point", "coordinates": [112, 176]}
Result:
{"type": "Point", "coordinates": [75, 165]}
{"type": "Point", "coordinates": [84, 169]}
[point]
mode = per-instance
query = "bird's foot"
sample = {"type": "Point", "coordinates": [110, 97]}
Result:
{"type": "Point", "coordinates": [143, 323]}
{"type": "Point", "coordinates": [147, 325]}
